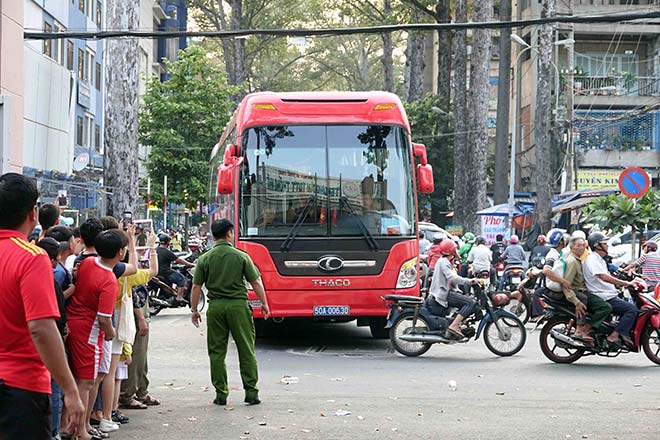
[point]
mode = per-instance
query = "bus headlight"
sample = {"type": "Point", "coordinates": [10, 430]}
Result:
{"type": "Point", "coordinates": [407, 275]}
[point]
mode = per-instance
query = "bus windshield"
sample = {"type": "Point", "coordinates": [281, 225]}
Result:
{"type": "Point", "coordinates": [331, 180]}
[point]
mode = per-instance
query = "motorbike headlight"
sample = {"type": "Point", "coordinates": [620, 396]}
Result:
{"type": "Point", "coordinates": [407, 274]}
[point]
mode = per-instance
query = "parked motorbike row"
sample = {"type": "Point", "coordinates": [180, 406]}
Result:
{"type": "Point", "coordinates": [502, 315]}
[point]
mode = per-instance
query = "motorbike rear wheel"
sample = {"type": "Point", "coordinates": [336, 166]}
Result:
{"type": "Point", "coordinates": [403, 326]}
{"type": "Point", "coordinates": [650, 340]}
{"type": "Point", "coordinates": [515, 336]}
{"type": "Point", "coordinates": [154, 309]}
{"type": "Point", "coordinates": [519, 308]}
{"type": "Point", "coordinates": [554, 350]}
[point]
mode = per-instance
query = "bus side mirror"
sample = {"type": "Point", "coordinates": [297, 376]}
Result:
{"type": "Point", "coordinates": [230, 154]}
{"type": "Point", "coordinates": [425, 176]}
{"type": "Point", "coordinates": [225, 179]}
{"type": "Point", "coordinates": [419, 150]}
{"type": "Point", "coordinates": [227, 173]}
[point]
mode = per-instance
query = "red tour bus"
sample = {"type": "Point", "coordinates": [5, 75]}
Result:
{"type": "Point", "coordinates": [322, 187]}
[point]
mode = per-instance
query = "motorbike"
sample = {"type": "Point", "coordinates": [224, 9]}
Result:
{"type": "Point", "coordinates": [499, 269]}
{"type": "Point", "coordinates": [513, 276]}
{"type": "Point", "coordinates": [522, 297]}
{"type": "Point", "coordinates": [163, 296]}
{"type": "Point", "coordinates": [414, 329]}
{"type": "Point", "coordinates": [558, 345]}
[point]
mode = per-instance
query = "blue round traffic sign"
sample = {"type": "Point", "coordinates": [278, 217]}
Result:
{"type": "Point", "coordinates": [634, 182]}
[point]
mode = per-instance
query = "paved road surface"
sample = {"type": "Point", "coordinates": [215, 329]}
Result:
{"type": "Point", "coordinates": [340, 368]}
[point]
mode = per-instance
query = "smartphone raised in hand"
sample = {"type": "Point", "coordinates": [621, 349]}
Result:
{"type": "Point", "coordinates": [126, 219]}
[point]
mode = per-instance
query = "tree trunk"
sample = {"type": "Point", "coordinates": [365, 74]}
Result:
{"type": "Point", "coordinates": [443, 14]}
{"type": "Point", "coordinates": [121, 114]}
{"type": "Point", "coordinates": [461, 154]}
{"type": "Point", "coordinates": [236, 22]}
{"type": "Point", "coordinates": [414, 82]}
{"type": "Point", "coordinates": [478, 120]}
{"type": "Point", "coordinates": [543, 121]}
{"type": "Point", "coordinates": [503, 100]}
{"type": "Point", "coordinates": [387, 58]}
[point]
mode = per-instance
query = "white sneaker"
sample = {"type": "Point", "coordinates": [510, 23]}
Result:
{"type": "Point", "coordinates": [108, 426]}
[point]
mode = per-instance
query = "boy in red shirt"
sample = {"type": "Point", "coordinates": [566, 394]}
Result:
{"type": "Point", "coordinates": [31, 345]}
{"type": "Point", "coordinates": [89, 314]}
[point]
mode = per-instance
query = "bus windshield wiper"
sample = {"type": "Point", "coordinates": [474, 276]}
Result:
{"type": "Point", "coordinates": [343, 201]}
{"type": "Point", "coordinates": [298, 223]}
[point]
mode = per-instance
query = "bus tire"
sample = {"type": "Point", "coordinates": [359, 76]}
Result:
{"type": "Point", "coordinates": [260, 328]}
{"type": "Point", "coordinates": [377, 326]}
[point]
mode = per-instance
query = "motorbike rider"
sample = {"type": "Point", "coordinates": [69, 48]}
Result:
{"type": "Point", "coordinates": [578, 294]}
{"type": "Point", "coordinates": [444, 292]}
{"type": "Point", "coordinates": [468, 243]}
{"type": "Point", "coordinates": [165, 259]}
{"type": "Point", "coordinates": [480, 257]}
{"type": "Point", "coordinates": [650, 264]}
{"type": "Point", "coordinates": [514, 255]}
{"type": "Point", "coordinates": [599, 282]}
{"type": "Point", "coordinates": [497, 248]}
{"type": "Point", "coordinates": [434, 252]}
{"type": "Point", "coordinates": [557, 240]}
{"type": "Point", "coordinates": [539, 251]}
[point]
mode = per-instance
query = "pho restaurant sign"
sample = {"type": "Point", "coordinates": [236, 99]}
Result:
{"type": "Point", "coordinates": [597, 179]}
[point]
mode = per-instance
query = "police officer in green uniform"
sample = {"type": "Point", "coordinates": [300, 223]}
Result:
{"type": "Point", "coordinates": [224, 270]}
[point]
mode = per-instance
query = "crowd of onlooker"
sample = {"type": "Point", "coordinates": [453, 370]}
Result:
{"type": "Point", "coordinates": [74, 304]}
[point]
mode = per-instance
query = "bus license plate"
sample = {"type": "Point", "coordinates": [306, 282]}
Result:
{"type": "Point", "coordinates": [332, 310]}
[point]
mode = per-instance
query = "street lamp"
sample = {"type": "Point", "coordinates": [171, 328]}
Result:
{"type": "Point", "coordinates": [512, 180]}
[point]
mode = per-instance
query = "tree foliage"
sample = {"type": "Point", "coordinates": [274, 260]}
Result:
{"type": "Point", "coordinates": [432, 126]}
{"type": "Point", "coordinates": [351, 62]}
{"type": "Point", "coordinates": [181, 120]}
{"type": "Point", "coordinates": [615, 212]}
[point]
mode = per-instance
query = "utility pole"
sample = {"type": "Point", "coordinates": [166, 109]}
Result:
{"type": "Point", "coordinates": [570, 169]}
{"type": "Point", "coordinates": [573, 169]}
{"type": "Point", "coordinates": [503, 92]}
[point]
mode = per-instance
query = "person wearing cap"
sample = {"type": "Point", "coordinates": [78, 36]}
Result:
{"type": "Point", "coordinates": [601, 283]}
{"type": "Point", "coordinates": [557, 240]}
{"type": "Point", "coordinates": [514, 255]}
{"type": "Point", "coordinates": [434, 252]}
{"type": "Point", "coordinates": [463, 252]}
{"type": "Point", "coordinates": [224, 270]}
{"type": "Point", "coordinates": [649, 261]}
{"type": "Point", "coordinates": [165, 259]}
{"type": "Point", "coordinates": [444, 292]}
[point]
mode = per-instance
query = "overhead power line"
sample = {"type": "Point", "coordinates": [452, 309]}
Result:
{"type": "Point", "coordinates": [101, 35]}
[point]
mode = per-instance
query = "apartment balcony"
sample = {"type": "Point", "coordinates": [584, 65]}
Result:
{"type": "Point", "coordinates": [614, 90]}
{"type": "Point", "coordinates": [604, 7]}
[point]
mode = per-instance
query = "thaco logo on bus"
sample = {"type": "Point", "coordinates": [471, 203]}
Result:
{"type": "Point", "coordinates": [331, 282]}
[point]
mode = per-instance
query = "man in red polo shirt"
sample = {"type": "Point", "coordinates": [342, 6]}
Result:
{"type": "Point", "coordinates": [30, 345]}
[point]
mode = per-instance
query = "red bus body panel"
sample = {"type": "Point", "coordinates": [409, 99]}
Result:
{"type": "Point", "coordinates": [296, 296]}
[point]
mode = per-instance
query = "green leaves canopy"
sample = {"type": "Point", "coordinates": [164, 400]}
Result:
{"type": "Point", "coordinates": [181, 119]}
{"type": "Point", "coordinates": [615, 212]}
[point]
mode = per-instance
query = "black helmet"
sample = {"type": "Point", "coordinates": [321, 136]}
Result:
{"type": "Point", "coordinates": [164, 238]}
{"type": "Point", "coordinates": [595, 238]}
{"type": "Point", "coordinates": [480, 240]}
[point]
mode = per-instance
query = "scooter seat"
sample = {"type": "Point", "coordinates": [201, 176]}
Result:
{"type": "Point", "coordinates": [405, 298]}
{"type": "Point", "coordinates": [561, 304]}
